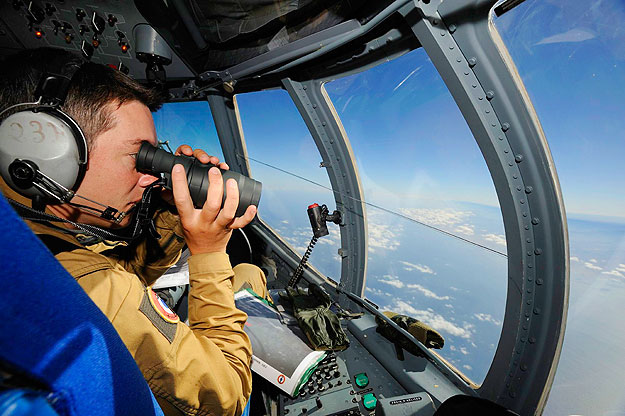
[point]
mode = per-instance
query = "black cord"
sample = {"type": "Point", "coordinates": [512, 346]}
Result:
{"type": "Point", "coordinates": [300, 268]}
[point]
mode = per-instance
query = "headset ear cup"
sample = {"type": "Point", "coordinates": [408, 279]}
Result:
{"type": "Point", "coordinates": [79, 139]}
{"type": "Point", "coordinates": [49, 139]}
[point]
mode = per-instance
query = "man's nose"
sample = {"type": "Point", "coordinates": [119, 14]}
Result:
{"type": "Point", "coordinates": [146, 180]}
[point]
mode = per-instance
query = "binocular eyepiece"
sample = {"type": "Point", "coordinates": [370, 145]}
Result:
{"type": "Point", "coordinates": [156, 161]}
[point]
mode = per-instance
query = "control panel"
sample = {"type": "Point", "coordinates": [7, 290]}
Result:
{"type": "Point", "coordinates": [102, 31]}
{"type": "Point", "coordinates": [349, 382]}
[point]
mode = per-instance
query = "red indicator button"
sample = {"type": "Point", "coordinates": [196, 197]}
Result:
{"type": "Point", "coordinates": [38, 34]}
{"type": "Point", "coordinates": [315, 205]}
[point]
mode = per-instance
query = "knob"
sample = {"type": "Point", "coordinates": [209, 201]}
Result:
{"type": "Point", "coordinates": [80, 14]}
{"type": "Point", "coordinates": [98, 23]}
{"type": "Point", "coordinates": [86, 49]}
{"type": "Point", "coordinates": [35, 12]}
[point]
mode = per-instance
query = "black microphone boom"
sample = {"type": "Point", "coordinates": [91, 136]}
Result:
{"type": "Point", "coordinates": [151, 159]}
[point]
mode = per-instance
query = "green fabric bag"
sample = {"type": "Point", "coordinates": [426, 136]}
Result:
{"type": "Point", "coordinates": [312, 310]}
{"type": "Point", "coordinates": [422, 332]}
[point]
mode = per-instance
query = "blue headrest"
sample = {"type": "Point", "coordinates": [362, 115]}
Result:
{"type": "Point", "coordinates": [51, 332]}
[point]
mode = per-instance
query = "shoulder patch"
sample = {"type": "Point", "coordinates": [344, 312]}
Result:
{"type": "Point", "coordinates": [157, 311]}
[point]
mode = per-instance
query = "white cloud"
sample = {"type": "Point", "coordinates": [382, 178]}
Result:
{"type": "Point", "coordinates": [285, 221]}
{"type": "Point", "coordinates": [382, 237]}
{"type": "Point", "coordinates": [420, 267]}
{"type": "Point", "coordinates": [593, 260]}
{"type": "Point", "coordinates": [614, 273]}
{"type": "Point", "coordinates": [436, 321]}
{"type": "Point", "coordinates": [592, 266]}
{"type": "Point", "coordinates": [495, 238]}
{"type": "Point", "coordinates": [573, 35]}
{"type": "Point", "coordinates": [428, 293]}
{"type": "Point", "coordinates": [574, 258]}
{"type": "Point", "coordinates": [449, 305]}
{"type": "Point", "coordinates": [392, 280]}
{"type": "Point", "coordinates": [464, 351]}
{"type": "Point", "coordinates": [437, 217]}
{"type": "Point", "coordinates": [467, 367]}
{"type": "Point", "coordinates": [374, 291]}
{"type": "Point", "coordinates": [484, 317]}
{"type": "Point", "coordinates": [620, 268]}
{"type": "Point", "coordinates": [466, 229]}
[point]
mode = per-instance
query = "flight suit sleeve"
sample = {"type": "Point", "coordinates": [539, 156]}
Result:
{"type": "Point", "coordinates": [203, 368]}
{"type": "Point", "coordinates": [152, 257]}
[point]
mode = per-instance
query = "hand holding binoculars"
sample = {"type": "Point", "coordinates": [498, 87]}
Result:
{"type": "Point", "coordinates": [159, 162]}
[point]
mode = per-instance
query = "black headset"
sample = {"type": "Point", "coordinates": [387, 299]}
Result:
{"type": "Point", "coordinates": [43, 151]}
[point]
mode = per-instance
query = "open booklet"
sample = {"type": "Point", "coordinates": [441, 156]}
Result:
{"type": "Point", "coordinates": [280, 352]}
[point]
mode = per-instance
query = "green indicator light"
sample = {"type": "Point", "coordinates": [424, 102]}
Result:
{"type": "Point", "coordinates": [361, 380]}
{"type": "Point", "coordinates": [369, 401]}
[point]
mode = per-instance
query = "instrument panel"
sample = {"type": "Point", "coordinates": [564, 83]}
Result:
{"type": "Point", "coordinates": [101, 31]}
{"type": "Point", "coordinates": [353, 382]}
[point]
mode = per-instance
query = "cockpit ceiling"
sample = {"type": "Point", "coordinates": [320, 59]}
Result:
{"type": "Point", "coordinates": [213, 35]}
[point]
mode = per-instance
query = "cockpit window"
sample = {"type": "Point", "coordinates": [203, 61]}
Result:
{"type": "Point", "coordinates": [437, 249]}
{"type": "Point", "coordinates": [283, 156]}
{"type": "Point", "coordinates": [188, 123]}
{"type": "Point", "coordinates": [571, 58]}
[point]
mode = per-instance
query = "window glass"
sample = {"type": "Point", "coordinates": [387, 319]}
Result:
{"type": "Point", "coordinates": [188, 123]}
{"type": "Point", "coordinates": [571, 57]}
{"type": "Point", "coordinates": [284, 157]}
{"type": "Point", "coordinates": [436, 240]}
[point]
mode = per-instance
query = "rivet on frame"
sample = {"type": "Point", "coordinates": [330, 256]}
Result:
{"type": "Point", "coordinates": [490, 95]}
{"type": "Point", "coordinates": [505, 127]}
{"type": "Point", "coordinates": [535, 221]}
{"type": "Point", "coordinates": [472, 61]}
{"type": "Point", "coordinates": [518, 158]}
{"type": "Point", "coordinates": [528, 189]}
{"type": "Point", "coordinates": [538, 251]}
{"type": "Point", "coordinates": [539, 282]}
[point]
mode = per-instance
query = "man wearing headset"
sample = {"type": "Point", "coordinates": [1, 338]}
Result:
{"type": "Point", "coordinates": [202, 368]}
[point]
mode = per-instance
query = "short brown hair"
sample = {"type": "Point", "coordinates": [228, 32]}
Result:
{"type": "Point", "coordinates": [95, 91]}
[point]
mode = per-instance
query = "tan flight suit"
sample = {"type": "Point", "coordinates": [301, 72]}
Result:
{"type": "Point", "coordinates": [202, 368]}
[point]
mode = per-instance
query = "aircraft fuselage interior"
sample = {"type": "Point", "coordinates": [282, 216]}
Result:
{"type": "Point", "coordinates": [200, 51]}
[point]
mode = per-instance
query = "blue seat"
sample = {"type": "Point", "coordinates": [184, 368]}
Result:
{"type": "Point", "coordinates": [55, 340]}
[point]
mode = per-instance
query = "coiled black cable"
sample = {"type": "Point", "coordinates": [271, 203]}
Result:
{"type": "Point", "coordinates": [300, 268]}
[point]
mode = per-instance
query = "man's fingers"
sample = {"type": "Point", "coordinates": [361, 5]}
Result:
{"type": "Point", "coordinates": [182, 198]}
{"type": "Point", "coordinates": [214, 196]}
{"type": "Point", "coordinates": [230, 205]}
{"type": "Point", "coordinates": [204, 157]}
{"type": "Point", "coordinates": [184, 149]}
{"type": "Point", "coordinates": [245, 219]}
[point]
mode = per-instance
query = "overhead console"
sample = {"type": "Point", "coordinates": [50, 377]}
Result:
{"type": "Point", "coordinates": [106, 32]}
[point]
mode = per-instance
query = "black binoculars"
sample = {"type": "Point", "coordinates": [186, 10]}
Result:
{"type": "Point", "coordinates": [156, 161]}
